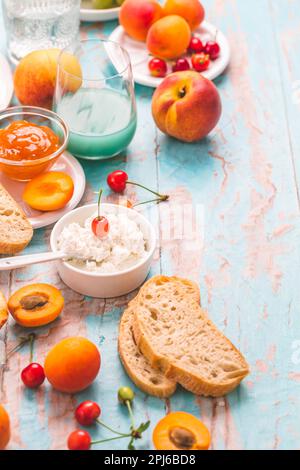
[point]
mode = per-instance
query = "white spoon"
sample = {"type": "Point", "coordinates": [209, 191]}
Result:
{"type": "Point", "coordinates": [15, 262]}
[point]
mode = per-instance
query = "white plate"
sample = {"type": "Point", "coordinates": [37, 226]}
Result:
{"type": "Point", "coordinates": [66, 163]}
{"type": "Point", "coordinates": [6, 83]}
{"type": "Point", "coordinates": [140, 56]}
{"type": "Point", "coordinates": [87, 13]}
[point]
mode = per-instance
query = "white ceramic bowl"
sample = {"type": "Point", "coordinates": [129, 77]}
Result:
{"type": "Point", "coordinates": [104, 285]}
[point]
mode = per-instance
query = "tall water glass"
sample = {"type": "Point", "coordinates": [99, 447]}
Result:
{"type": "Point", "coordinates": [39, 24]}
{"type": "Point", "coordinates": [99, 106]}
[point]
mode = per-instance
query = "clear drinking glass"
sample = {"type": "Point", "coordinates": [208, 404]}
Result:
{"type": "Point", "coordinates": [99, 107]}
{"type": "Point", "coordinates": [39, 24]}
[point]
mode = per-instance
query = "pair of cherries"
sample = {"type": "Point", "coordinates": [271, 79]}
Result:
{"type": "Point", "coordinates": [117, 181]}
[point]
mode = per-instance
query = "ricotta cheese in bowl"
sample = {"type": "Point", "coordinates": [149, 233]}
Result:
{"type": "Point", "coordinates": [106, 267]}
{"type": "Point", "coordinates": [123, 247]}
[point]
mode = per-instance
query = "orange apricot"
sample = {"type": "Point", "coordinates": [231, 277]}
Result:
{"type": "Point", "coordinates": [3, 311]}
{"type": "Point", "coordinates": [169, 37]}
{"type": "Point", "coordinates": [181, 431]}
{"type": "Point", "coordinates": [49, 191]}
{"type": "Point", "coordinates": [4, 428]}
{"type": "Point", "coordinates": [191, 10]}
{"type": "Point", "coordinates": [72, 365]}
{"type": "Point", "coordinates": [36, 305]}
{"type": "Point", "coordinates": [136, 17]}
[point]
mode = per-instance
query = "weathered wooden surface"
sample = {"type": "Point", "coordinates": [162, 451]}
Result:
{"type": "Point", "coordinates": [242, 187]}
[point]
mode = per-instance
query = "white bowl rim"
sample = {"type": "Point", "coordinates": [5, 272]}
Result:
{"type": "Point", "coordinates": [151, 241]}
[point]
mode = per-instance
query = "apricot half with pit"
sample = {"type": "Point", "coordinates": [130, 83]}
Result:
{"type": "Point", "coordinates": [181, 431]}
{"type": "Point", "coordinates": [36, 305]}
{"type": "Point", "coordinates": [3, 310]}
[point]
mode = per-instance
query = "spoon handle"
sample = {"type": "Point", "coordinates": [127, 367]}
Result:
{"type": "Point", "coordinates": [15, 262]}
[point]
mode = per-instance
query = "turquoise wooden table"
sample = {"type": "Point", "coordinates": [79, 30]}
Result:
{"type": "Point", "coordinates": [239, 190]}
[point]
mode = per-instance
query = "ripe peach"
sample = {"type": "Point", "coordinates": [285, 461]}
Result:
{"type": "Point", "coordinates": [191, 10]}
{"type": "Point", "coordinates": [72, 365]}
{"type": "Point", "coordinates": [186, 106]}
{"type": "Point", "coordinates": [136, 17]}
{"type": "Point", "coordinates": [35, 76]}
{"type": "Point", "coordinates": [4, 428]}
{"type": "Point", "coordinates": [169, 37]}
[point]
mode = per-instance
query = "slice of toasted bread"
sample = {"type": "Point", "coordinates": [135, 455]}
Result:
{"type": "Point", "coordinates": [149, 380]}
{"type": "Point", "coordinates": [15, 229]}
{"type": "Point", "coordinates": [176, 336]}
{"type": "Point", "coordinates": [3, 310]}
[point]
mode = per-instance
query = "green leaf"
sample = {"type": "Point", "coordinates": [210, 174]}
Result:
{"type": "Point", "coordinates": [130, 445]}
{"type": "Point", "coordinates": [143, 427]}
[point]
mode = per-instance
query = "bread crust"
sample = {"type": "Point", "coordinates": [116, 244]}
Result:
{"type": "Point", "coordinates": [190, 381]}
{"type": "Point", "coordinates": [15, 229]}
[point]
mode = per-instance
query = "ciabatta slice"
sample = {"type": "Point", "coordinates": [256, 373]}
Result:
{"type": "Point", "coordinates": [176, 336]}
{"type": "Point", "coordinates": [138, 368]}
{"type": "Point", "coordinates": [15, 229]}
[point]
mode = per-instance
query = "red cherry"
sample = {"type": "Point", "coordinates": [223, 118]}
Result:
{"type": "Point", "coordinates": [200, 62]}
{"type": "Point", "coordinates": [196, 45]}
{"type": "Point", "coordinates": [117, 181]}
{"type": "Point", "coordinates": [100, 227]}
{"type": "Point", "coordinates": [33, 375]}
{"type": "Point", "coordinates": [79, 440]}
{"type": "Point", "coordinates": [158, 67]}
{"type": "Point", "coordinates": [181, 65]}
{"type": "Point", "coordinates": [213, 49]}
{"type": "Point", "coordinates": [87, 412]}
{"type": "Point", "coordinates": [100, 224]}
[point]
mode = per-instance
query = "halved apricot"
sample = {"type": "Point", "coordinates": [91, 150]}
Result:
{"type": "Point", "coordinates": [3, 310]}
{"type": "Point", "coordinates": [49, 191]}
{"type": "Point", "coordinates": [181, 431]}
{"type": "Point", "coordinates": [4, 428]}
{"type": "Point", "coordinates": [36, 305]}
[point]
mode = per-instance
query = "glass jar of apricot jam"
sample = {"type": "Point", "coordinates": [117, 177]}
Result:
{"type": "Point", "coordinates": [31, 140]}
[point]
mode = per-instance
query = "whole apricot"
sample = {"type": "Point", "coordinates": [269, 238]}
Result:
{"type": "Point", "coordinates": [191, 10]}
{"type": "Point", "coordinates": [35, 76]}
{"type": "Point", "coordinates": [4, 428]}
{"type": "Point", "coordinates": [169, 37]}
{"type": "Point", "coordinates": [72, 365]}
{"type": "Point", "coordinates": [137, 16]}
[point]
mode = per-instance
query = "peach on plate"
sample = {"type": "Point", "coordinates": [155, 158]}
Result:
{"type": "Point", "coordinates": [186, 106]}
{"type": "Point", "coordinates": [191, 10]}
{"type": "Point", "coordinates": [35, 76]}
{"type": "Point", "coordinates": [169, 37]}
{"type": "Point", "coordinates": [137, 16]}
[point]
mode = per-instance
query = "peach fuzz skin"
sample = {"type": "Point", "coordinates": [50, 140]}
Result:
{"type": "Point", "coordinates": [186, 106]}
{"type": "Point", "coordinates": [191, 10]}
{"type": "Point", "coordinates": [137, 16]}
{"type": "Point", "coordinates": [169, 37]}
{"type": "Point", "coordinates": [35, 77]}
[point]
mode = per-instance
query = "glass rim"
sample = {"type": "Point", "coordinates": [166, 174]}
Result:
{"type": "Point", "coordinates": [95, 40]}
{"type": "Point", "coordinates": [43, 113]}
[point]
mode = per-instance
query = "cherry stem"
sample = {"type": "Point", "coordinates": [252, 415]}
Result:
{"type": "Point", "coordinates": [110, 439]}
{"type": "Point", "coordinates": [127, 403]}
{"type": "Point", "coordinates": [110, 429]}
{"type": "Point", "coordinates": [99, 202]}
{"type": "Point", "coordinates": [31, 339]}
{"type": "Point", "coordinates": [148, 202]}
{"type": "Point", "coordinates": [163, 197]}
{"type": "Point", "coordinates": [18, 347]}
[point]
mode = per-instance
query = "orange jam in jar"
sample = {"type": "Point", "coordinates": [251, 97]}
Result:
{"type": "Point", "coordinates": [28, 149]}
{"type": "Point", "coordinates": [23, 140]}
